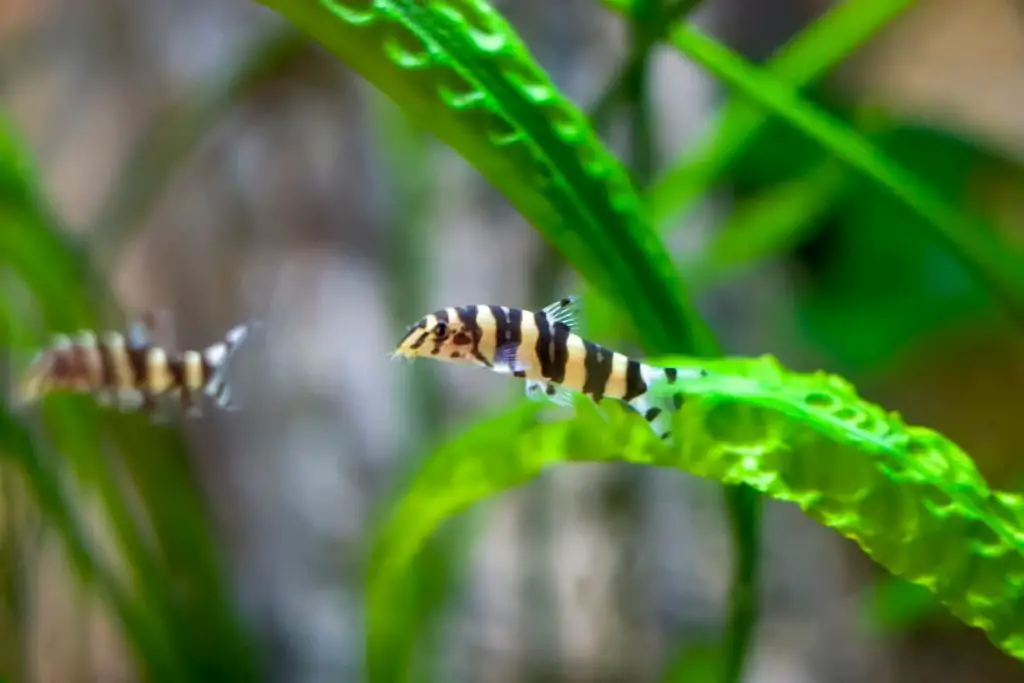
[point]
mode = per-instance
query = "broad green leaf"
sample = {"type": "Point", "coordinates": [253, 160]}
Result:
{"type": "Point", "coordinates": [908, 496]}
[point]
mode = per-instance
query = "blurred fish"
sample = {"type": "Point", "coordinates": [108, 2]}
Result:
{"type": "Point", "coordinates": [543, 349]}
{"type": "Point", "coordinates": [131, 372]}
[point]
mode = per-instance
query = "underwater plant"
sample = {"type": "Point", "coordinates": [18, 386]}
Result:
{"type": "Point", "coordinates": [909, 497]}
{"type": "Point", "coordinates": [912, 499]}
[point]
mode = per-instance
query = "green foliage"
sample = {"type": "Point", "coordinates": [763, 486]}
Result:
{"type": "Point", "coordinates": [461, 71]}
{"type": "Point", "coordinates": [966, 238]}
{"type": "Point", "coordinates": [162, 580]}
{"type": "Point", "coordinates": [809, 55]}
{"type": "Point", "coordinates": [909, 497]}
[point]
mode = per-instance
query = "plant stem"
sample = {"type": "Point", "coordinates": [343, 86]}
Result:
{"type": "Point", "coordinates": [743, 504]}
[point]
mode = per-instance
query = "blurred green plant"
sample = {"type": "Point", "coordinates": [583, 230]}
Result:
{"type": "Point", "coordinates": [460, 70]}
{"type": "Point", "coordinates": [161, 578]}
{"type": "Point", "coordinates": [463, 74]}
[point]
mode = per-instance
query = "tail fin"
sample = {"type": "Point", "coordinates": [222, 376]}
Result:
{"type": "Point", "coordinates": [658, 407]}
{"type": "Point", "coordinates": [219, 356]}
{"type": "Point", "coordinates": [26, 384]}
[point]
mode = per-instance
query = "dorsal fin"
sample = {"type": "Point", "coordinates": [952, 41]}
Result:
{"type": "Point", "coordinates": [564, 311]}
{"type": "Point", "coordinates": [152, 327]}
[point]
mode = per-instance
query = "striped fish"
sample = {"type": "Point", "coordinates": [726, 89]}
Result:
{"type": "Point", "coordinates": [543, 349]}
{"type": "Point", "coordinates": [131, 372]}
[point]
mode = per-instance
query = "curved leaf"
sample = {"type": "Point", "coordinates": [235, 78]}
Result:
{"type": "Point", "coordinates": [460, 69]}
{"type": "Point", "coordinates": [908, 496]}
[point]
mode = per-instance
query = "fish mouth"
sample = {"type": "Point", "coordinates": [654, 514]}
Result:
{"type": "Point", "coordinates": [402, 349]}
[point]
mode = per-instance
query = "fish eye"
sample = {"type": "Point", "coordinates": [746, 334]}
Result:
{"type": "Point", "coordinates": [441, 329]}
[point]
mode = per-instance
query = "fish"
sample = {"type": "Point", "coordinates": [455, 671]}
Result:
{"type": "Point", "coordinates": [130, 372]}
{"type": "Point", "coordinates": [544, 349]}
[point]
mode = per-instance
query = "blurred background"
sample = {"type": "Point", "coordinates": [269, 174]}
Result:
{"type": "Point", "coordinates": [203, 158]}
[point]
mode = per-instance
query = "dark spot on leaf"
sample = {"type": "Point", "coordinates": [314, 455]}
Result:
{"type": "Point", "coordinates": [818, 399]}
{"type": "Point", "coordinates": [917, 447]}
{"type": "Point", "coordinates": [846, 414]}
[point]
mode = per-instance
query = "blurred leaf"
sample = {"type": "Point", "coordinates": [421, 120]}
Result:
{"type": "Point", "coordinates": [883, 284]}
{"type": "Point", "coordinates": [649, 22]}
{"type": "Point", "coordinates": [909, 497]}
{"type": "Point", "coordinates": [967, 239]}
{"type": "Point", "coordinates": [395, 592]}
{"type": "Point", "coordinates": [808, 56]}
{"type": "Point", "coordinates": [409, 192]}
{"type": "Point", "coordinates": [768, 225]}
{"type": "Point", "coordinates": [699, 662]}
{"type": "Point", "coordinates": [166, 590]}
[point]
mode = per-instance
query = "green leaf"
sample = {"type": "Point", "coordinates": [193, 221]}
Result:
{"type": "Point", "coordinates": [893, 605]}
{"type": "Point", "coordinates": [460, 69]}
{"type": "Point", "coordinates": [908, 496]}
{"type": "Point", "coordinates": [768, 225]}
{"type": "Point", "coordinates": [971, 241]}
{"type": "Point", "coordinates": [167, 591]}
{"type": "Point", "coordinates": [865, 316]}
{"type": "Point", "coordinates": [808, 56]}
{"type": "Point", "coordinates": [695, 663]}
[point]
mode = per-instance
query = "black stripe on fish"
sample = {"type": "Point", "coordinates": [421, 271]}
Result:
{"type": "Point", "coordinates": [515, 327]}
{"type": "Point", "coordinates": [543, 349]}
{"type": "Point", "coordinates": [635, 384]}
{"type": "Point", "coordinates": [560, 341]}
{"type": "Point", "coordinates": [598, 369]}
{"type": "Point", "coordinates": [468, 316]}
